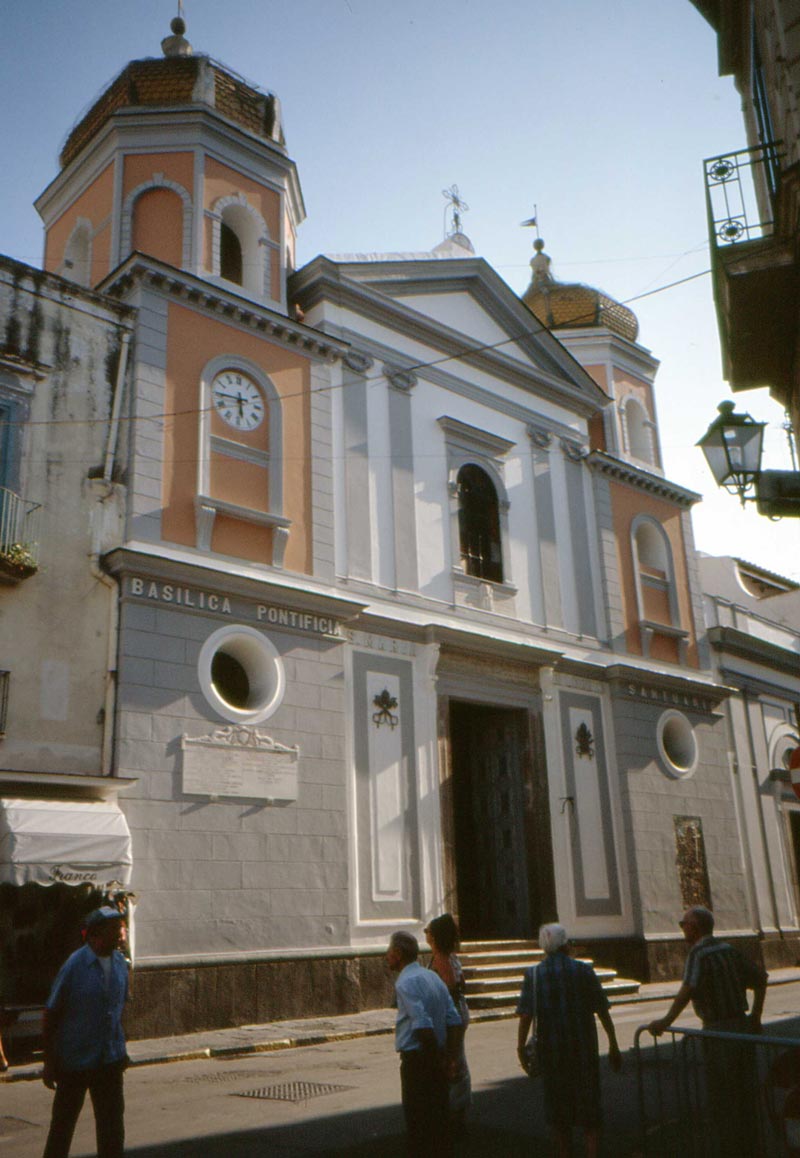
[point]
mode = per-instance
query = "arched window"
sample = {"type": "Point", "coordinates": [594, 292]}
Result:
{"type": "Point", "coordinates": [638, 426]}
{"type": "Point", "coordinates": [242, 246]}
{"type": "Point", "coordinates": [158, 225]}
{"type": "Point", "coordinates": [230, 255]}
{"type": "Point", "coordinates": [479, 524]}
{"type": "Point", "coordinates": [656, 594]}
{"type": "Point", "coordinates": [78, 254]}
{"type": "Point", "coordinates": [654, 567]}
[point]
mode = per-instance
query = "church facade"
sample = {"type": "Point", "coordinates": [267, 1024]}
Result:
{"type": "Point", "coordinates": [397, 609]}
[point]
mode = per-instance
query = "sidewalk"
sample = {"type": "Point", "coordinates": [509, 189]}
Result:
{"type": "Point", "coordinates": [278, 1035]}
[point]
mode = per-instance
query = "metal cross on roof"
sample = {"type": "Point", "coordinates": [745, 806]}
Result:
{"type": "Point", "coordinates": [456, 205]}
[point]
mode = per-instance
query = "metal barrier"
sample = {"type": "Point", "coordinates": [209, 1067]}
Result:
{"type": "Point", "coordinates": [705, 1094]}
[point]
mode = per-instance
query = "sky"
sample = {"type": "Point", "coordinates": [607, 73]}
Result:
{"type": "Point", "coordinates": [599, 115]}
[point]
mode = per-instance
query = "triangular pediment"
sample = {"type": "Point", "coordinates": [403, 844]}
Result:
{"type": "Point", "coordinates": [460, 300]}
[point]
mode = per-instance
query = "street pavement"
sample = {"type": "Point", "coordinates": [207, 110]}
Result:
{"type": "Point", "coordinates": [331, 1087]}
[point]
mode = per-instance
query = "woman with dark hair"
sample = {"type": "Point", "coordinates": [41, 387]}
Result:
{"type": "Point", "coordinates": [443, 938]}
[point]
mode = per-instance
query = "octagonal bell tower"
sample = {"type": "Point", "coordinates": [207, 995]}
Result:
{"type": "Point", "coordinates": [182, 160]}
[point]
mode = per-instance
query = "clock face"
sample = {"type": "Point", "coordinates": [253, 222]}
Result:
{"type": "Point", "coordinates": [237, 400]}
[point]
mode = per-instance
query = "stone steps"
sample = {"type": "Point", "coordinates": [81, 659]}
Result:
{"type": "Point", "coordinates": [493, 973]}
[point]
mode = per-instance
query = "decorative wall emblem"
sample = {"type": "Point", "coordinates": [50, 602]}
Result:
{"type": "Point", "coordinates": [584, 742]}
{"type": "Point", "coordinates": [691, 861]}
{"type": "Point", "coordinates": [385, 702]}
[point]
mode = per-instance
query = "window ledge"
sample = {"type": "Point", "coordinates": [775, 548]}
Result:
{"type": "Point", "coordinates": [207, 509]}
{"type": "Point", "coordinates": [473, 581]}
{"type": "Point", "coordinates": [663, 629]}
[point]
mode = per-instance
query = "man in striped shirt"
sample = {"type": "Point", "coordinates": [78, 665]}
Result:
{"type": "Point", "coordinates": [716, 979]}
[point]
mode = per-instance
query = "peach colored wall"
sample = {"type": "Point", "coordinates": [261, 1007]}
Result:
{"type": "Point", "coordinates": [222, 181]}
{"type": "Point", "coordinates": [626, 384]}
{"type": "Point", "coordinates": [140, 167]}
{"type": "Point", "coordinates": [193, 340]}
{"type": "Point", "coordinates": [158, 225]}
{"type": "Point", "coordinates": [597, 432]}
{"type": "Point", "coordinates": [243, 483]}
{"type": "Point", "coordinates": [227, 539]}
{"type": "Point", "coordinates": [627, 503]}
{"type": "Point", "coordinates": [95, 204]}
{"type": "Point", "coordinates": [656, 604]}
{"type": "Point", "coordinates": [599, 374]}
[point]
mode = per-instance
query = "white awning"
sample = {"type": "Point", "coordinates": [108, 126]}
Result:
{"type": "Point", "coordinates": [68, 841]}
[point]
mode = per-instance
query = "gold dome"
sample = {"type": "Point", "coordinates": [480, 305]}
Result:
{"type": "Point", "coordinates": [561, 305]}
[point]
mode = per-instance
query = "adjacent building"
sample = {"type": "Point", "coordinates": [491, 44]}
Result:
{"type": "Point", "coordinates": [752, 198]}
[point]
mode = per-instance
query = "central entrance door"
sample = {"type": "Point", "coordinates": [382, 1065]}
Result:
{"type": "Point", "coordinates": [489, 750]}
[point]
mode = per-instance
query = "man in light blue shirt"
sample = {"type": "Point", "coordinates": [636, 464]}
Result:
{"type": "Point", "coordinates": [427, 1036]}
{"type": "Point", "coordinates": [84, 1044]}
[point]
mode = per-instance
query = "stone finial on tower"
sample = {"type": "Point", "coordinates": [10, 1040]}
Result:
{"type": "Point", "coordinates": [177, 44]}
{"type": "Point", "coordinates": [540, 265]}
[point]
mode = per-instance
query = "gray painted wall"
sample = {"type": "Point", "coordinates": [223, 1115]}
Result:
{"type": "Point", "coordinates": [230, 875]}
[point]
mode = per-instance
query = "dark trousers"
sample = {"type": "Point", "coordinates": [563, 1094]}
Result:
{"type": "Point", "coordinates": [423, 1083]}
{"type": "Point", "coordinates": [105, 1089]}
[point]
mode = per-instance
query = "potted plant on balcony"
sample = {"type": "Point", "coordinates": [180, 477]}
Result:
{"type": "Point", "coordinates": [17, 561]}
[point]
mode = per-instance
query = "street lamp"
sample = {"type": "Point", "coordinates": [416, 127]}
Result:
{"type": "Point", "coordinates": [732, 446]}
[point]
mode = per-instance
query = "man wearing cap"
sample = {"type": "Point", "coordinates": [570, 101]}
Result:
{"type": "Point", "coordinates": [428, 1033]}
{"type": "Point", "coordinates": [84, 1045]}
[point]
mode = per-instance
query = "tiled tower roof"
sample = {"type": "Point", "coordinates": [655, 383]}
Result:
{"type": "Point", "coordinates": [570, 304]}
{"type": "Point", "coordinates": [179, 81]}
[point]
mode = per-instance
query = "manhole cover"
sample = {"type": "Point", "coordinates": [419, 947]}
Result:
{"type": "Point", "coordinates": [11, 1126]}
{"type": "Point", "coordinates": [292, 1091]}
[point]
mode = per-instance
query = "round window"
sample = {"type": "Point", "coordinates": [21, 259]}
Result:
{"type": "Point", "coordinates": [241, 674]}
{"type": "Point", "coordinates": [677, 744]}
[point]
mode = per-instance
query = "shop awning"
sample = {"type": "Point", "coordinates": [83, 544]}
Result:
{"type": "Point", "coordinates": [71, 842]}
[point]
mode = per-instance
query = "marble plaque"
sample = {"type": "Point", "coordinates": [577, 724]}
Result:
{"type": "Point", "coordinates": [240, 762]}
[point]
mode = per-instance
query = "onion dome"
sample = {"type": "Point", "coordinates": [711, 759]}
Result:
{"type": "Point", "coordinates": [571, 305]}
{"type": "Point", "coordinates": [179, 79]}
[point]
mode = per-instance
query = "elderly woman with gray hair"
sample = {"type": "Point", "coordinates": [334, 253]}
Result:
{"type": "Point", "coordinates": [559, 998]}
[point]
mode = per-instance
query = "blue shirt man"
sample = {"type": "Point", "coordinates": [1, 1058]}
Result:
{"type": "Point", "coordinates": [428, 1033]}
{"type": "Point", "coordinates": [84, 1043]}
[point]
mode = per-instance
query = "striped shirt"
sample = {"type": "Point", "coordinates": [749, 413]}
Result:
{"type": "Point", "coordinates": [719, 978]}
{"type": "Point", "coordinates": [563, 995]}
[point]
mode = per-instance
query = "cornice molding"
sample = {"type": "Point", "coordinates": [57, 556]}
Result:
{"type": "Point", "coordinates": [642, 479]}
{"type": "Point", "coordinates": [751, 647]}
{"type": "Point", "coordinates": [193, 126]}
{"type": "Point", "coordinates": [201, 294]}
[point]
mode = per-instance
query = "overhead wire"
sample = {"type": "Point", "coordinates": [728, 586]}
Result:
{"type": "Point", "coordinates": [370, 380]}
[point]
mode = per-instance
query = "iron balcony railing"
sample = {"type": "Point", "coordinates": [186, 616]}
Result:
{"type": "Point", "coordinates": [731, 201]}
{"type": "Point", "coordinates": [20, 524]}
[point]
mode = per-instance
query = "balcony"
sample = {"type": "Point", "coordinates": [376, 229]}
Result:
{"type": "Point", "coordinates": [20, 523]}
{"type": "Point", "coordinates": [755, 266]}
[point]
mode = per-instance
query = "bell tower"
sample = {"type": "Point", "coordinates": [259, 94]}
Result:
{"type": "Point", "coordinates": [177, 196]}
{"type": "Point", "coordinates": [182, 160]}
